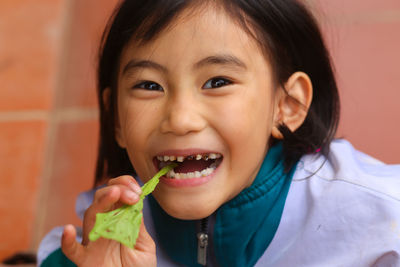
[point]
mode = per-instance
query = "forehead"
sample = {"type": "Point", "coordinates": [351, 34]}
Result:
{"type": "Point", "coordinates": [197, 32]}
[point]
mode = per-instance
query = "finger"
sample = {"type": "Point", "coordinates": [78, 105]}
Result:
{"type": "Point", "coordinates": [70, 247]}
{"type": "Point", "coordinates": [145, 242]}
{"type": "Point", "coordinates": [128, 181]}
{"type": "Point", "coordinates": [106, 199]}
{"type": "Point", "coordinates": [144, 253]}
{"type": "Point", "coordinates": [108, 196]}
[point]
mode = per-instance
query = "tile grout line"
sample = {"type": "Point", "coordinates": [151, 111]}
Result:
{"type": "Point", "coordinates": [43, 193]}
{"type": "Point", "coordinates": [31, 115]}
{"type": "Point", "coordinates": [67, 114]}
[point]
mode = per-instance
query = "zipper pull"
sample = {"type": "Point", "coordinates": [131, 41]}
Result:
{"type": "Point", "coordinates": [202, 248]}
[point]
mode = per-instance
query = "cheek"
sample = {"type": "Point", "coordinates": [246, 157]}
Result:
{"type": "Point", "coordinates": [245, 127]}
{"type": "Point", "coordinates": [246, 119]}
{"type": "Point", "coordinates": [137, 122]}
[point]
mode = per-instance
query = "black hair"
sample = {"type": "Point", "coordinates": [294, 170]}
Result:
{"type": "Point", "coordinates": [285, 29]}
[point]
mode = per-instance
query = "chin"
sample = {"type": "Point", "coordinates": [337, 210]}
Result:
{"type": "Point", "coordinates": [191, 210]}
{"type": "Point", "coordinates": [189, 214]}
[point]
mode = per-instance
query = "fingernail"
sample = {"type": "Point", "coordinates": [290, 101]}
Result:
{"type": "Point", "coordinates": [131, 195]}
{"type": "Point", "coordinates": [136, 188]}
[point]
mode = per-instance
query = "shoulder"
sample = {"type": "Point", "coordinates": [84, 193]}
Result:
{"type": "Point", "coordinates": [349, 185]}
{"type": "Point", "coordinates": [346, 206]}
{"type": "Point", "coordinates": [353, 169]}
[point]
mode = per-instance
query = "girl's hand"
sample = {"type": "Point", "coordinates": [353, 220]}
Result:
{"type": "Point", "coordinates": [105, 252]}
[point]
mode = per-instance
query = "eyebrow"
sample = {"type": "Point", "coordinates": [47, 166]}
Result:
{"type": "Point", "coordinates": [223, 59]}
{"type": "Point", "coordinates": [138, 64]}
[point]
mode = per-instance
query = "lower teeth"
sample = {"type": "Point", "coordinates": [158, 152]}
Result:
{"type": "Point", "coordinates": [196, 174]}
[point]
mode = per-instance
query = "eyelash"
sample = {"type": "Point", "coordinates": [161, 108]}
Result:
{"type": "Point", "coordinates": [210, 84]}
{"type": "Point", "coordinates": [214, 82]}
{"type": "Point", "coordinates": [148, 85]}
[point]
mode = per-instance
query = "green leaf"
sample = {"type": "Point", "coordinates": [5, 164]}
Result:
{"type": "Point", "coordinates": [152, 183]}
{"type": "Point", "coordinates": [123, 224]}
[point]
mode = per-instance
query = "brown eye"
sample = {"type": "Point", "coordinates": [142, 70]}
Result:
{"type": "Point", "coordinates": [151, 86]}
{"type": "Point", "coordinates": [216, 83]}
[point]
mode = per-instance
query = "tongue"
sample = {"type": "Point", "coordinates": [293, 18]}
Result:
{"type": "Point", "coordinates": [192, 166]}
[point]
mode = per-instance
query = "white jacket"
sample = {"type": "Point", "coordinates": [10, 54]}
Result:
{"type": "Point", "coordinates": [343, 210]}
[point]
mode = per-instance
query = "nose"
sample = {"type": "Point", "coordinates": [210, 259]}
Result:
{"type": "Point", "coordinates": [182, 116]}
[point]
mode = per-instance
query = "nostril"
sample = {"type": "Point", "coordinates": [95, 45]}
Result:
{"type": "Point", "coordinates": [182, 119]}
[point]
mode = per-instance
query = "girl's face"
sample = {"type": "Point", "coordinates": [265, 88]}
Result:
{"type": "Point", "coordinates": [202, 90]}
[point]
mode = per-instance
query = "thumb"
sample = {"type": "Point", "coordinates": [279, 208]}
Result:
{"type": "Point", "coordinates": [144, 242]}
{"type": "Point", "coordinates": [70, 247]}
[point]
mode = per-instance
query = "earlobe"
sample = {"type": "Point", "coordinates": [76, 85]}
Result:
{"type": "Point", "coordinates": [276, 133]}
{"type": "Point", "coordinates": [107, 105]}
{"type": "Point", "coordinates": [294, 103]}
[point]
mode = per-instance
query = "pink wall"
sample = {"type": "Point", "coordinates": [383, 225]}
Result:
{"type": "Point", "coordinates": [48, 117]}
{"type": "Point", "coordinates": [48, 114]}
{"type": "Point", "coordinates": [364, 38]}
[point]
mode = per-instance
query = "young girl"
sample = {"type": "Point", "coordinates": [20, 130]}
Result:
{"type": "Point", "coordinates": [242, 95]}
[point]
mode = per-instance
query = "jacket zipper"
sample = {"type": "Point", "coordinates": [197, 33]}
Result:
{"type": "Point", "coordinates": [202, 242]}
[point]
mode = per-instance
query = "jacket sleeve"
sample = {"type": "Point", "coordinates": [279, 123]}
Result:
{"type": "Point", "coordinates": [57, 259]}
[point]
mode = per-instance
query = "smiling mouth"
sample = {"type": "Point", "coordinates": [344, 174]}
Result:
{"type": "Point", "coordinates": [190, 166]}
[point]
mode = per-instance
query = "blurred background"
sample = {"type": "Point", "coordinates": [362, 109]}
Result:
{"type": "Point", "coordinates": [48, 105]}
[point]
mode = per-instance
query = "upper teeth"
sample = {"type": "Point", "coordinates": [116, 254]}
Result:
{"type": "Point", "coordinates": [189, 157]}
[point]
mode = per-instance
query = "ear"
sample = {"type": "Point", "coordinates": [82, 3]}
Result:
{"type": "Point", "coordinates": [107, 105]}
{"type": "Point", "coordinates": [293, 103]}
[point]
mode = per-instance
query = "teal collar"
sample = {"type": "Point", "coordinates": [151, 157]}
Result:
{"type": "Point", "coordinates": [243, 227]}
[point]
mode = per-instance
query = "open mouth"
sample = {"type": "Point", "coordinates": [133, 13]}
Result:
{"type": "Point", "coordinates": [190, 166]}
